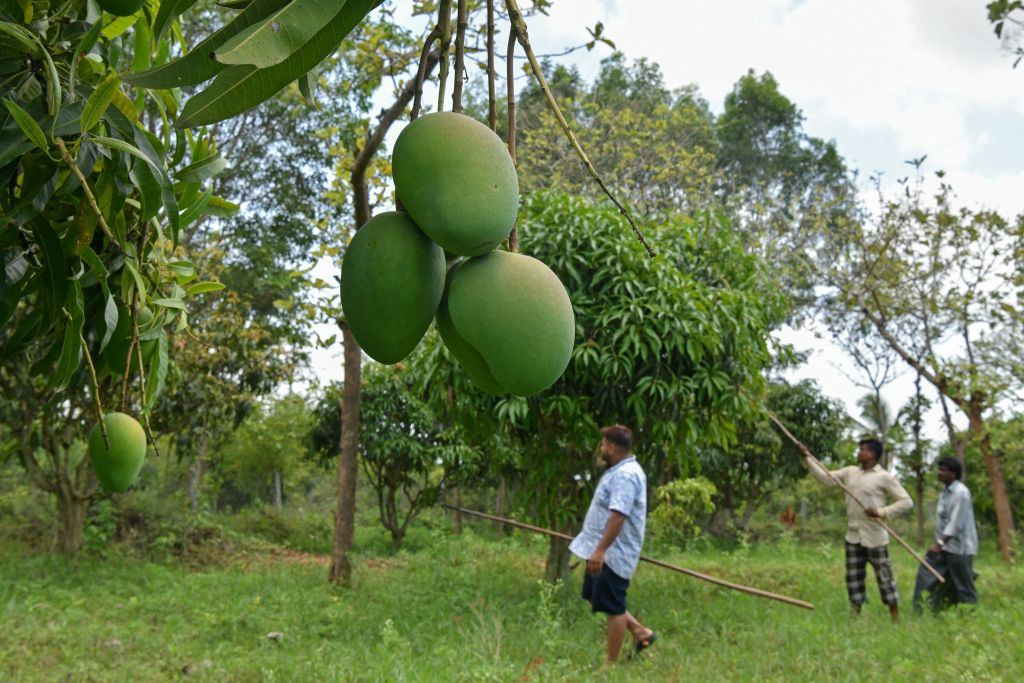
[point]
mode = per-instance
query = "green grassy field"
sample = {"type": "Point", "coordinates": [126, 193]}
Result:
{"type": "Point", "coordinates": [474, 608]}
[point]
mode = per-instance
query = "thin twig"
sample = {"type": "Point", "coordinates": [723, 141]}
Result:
{"type": "Point", "coordinates": [421, 72]}
{"type": "Point", "coordinates": [519, 24]}
{"type": "Point", "coordinates": [142, 381]}
{"type": "Point", "coordinates": [810, 456]}
{"type": "Point", "coordinates": [492, 99]}
{"type": "Point", "coordinates": [513, 238]}
{"type": "Point", "coordinates": [444, 20]}
{"type": "Point", "coordinates": [95, 391]}
{"type": "Point", "coordinates": [89, 196]}
{"type": "Point", "coordinates": [460, 56]}
{"type": "Point", "coordinates": [658, 563]}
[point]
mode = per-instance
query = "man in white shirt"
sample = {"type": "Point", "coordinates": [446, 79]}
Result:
{"type": "Point", "coordinates": [866, 540]}
{"type": "Point", "coordinates": [956, 543]}
{"type": "Point", "coordinates": [611, 539]}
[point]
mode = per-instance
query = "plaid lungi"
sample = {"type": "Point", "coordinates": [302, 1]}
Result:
{"type": "Point", "coordinates": [857, 557]}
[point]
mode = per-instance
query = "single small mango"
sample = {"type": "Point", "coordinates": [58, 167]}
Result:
{"type": "Point", "coordinates": [508, 318]}
{"type": "Point", "coordinates": [456, 179]}
{"type": "Point", "coordinates": [392, 279]}
{"type": "Point", "coordinates": [118, 467]}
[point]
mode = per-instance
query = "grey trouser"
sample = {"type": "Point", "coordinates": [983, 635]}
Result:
{"type": "Point", "coordinates": [957, 570]}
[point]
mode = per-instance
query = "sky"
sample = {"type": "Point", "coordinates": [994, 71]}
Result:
{"type": "Point", "coordinates": [888, 81]}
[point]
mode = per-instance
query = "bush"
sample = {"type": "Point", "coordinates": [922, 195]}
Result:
{"type": "Point", "coordinates": [680, 508]}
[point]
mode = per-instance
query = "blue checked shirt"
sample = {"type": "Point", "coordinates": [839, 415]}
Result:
{"type": "Point", "coordinates": [622, 488]}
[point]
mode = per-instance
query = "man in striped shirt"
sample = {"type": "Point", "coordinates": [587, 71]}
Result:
{"type": "Point", "coordinates": [611, 539]}
{"type": "Point", "coordinates": [866, 540]}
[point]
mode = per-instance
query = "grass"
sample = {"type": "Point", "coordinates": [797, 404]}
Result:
{"type": "Point", "coordinates": [474, 608]}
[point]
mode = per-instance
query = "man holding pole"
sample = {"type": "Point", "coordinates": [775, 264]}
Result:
{"type": "Point", "coordinates": [612, 537]}
{"type": "Point", "coordinates": [866, 540]}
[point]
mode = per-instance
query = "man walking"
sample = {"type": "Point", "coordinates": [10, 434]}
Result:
{"type": "Point", "coordinates": [866, 540]}
{"type": "Point", "coordinates": [611, 539]}
{"type": "Point", "coordinates": [956, 543]}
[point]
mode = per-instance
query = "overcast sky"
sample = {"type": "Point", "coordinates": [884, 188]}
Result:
{"type": "Point", "coordinates": [887, 80]}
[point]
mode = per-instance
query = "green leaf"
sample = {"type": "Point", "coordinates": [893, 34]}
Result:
{"type": "Point", "coordinates": [280, 34]}
{"type": "Point", "coordinates": [201, 170]}
{"type": "Point", "coordinates": [170, 303]}
{"type": "Point", "coordinates": [118, 26]}
{"type": "Point", "coordinates": [22, 37]}
{"type": "Point", "coordinates": [71, 350]}
{"type": "Point", "coordinates": [83, 48]}
{"type": "Point", "coordinates": [27, 124]}
{"type": "Point", "coordinates": [140, 284]}
{"type": "Point", "coordinates": [196, 66]}
{"type": "Point", "coordinates": [110, 316]}
{"type": "Point", "coordinates": [222, 208]}
{"type": "Point", "coordinates": [169, 9]}
{"type": "Point", "coordinates": [204, 287]}
{"type": "Point", "coordinates": [156, 376]}
{"type": "Point", "coordinates": [307, 88]}
{"type": "Point", "coordinates": [238, 88]}
{"type": "Point", "coordinates": [181, 269]}
{"type": "Point", "coordinates": [56, 266]}
{"type": "Point", "coordinates": [166, 189]}
{"type": "Point", "coordinates": [98, 102]}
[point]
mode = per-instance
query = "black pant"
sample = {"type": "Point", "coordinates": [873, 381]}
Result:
{"type": "Point", "coordinates": [957, 570]}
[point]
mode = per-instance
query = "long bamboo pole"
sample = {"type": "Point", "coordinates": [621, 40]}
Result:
{"type": "Point", "coordinates": [665, 565]}
{"type": "Point", "coordinates": [810, 456]}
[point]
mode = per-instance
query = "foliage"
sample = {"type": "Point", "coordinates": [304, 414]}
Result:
{"type": "Point", "coordinates": [273, 439]}
{"type": "Point", "coordinates": [405, 450]}
{"type": "Point", "coordinates": [680, 506]}
{"type": "Point", "coordinates": [761, 461]}
{"type": "Point", "coordinates": [1007, 19]}
{"type": "Point", "coordinates": [940, 286]}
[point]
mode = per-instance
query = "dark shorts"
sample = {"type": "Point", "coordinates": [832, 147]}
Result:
{"type": "Point", "coordinates": [606, 592]}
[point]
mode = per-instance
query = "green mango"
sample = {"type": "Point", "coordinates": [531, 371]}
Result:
{"type": "Point", "coordinates": [118, 467]}
{"type": "Point", "coordinates": [514, 314]}
{"type": "Point", "coordinates": [456, 179]}
{"type": "Point", "coordinates": [392, 280]}
{"type": "Point", "coordinates": [469, 358]}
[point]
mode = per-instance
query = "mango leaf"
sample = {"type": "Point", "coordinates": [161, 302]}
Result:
{"type": "Point", "coordinates": [307, 88]}
{"type": "Point", "coordinates": [84, 46]}
{"type": "Point", "coordinates": [196, 66]}
{"type": "Point", "coordinates": [71, 350]}
{"type": "Point", "coordinates": [139, 282]}
{"type": "Point", "coordinates": [166, 190]}
{"type": "Point", "coordinates": [201, 170]}
{"type": "Point", "coordinates": [56, 265]}
{"type": "Point", "coordinates": [110, 316]}
{"type": "Point", "coordinates": [27, 124]}
{"type": "Point", "coordinates": [238, 88]}
{"type": "Point", "coordinates": [280, 34]}
{"type": "Point", "coordinates": [204, 287]}
{"type": "Point", "coordinates": [156, 376]}
{"type": "Point", "coordinates": [98, 102]}
{"type": "Point", "coordinates": [196, 209]}
{"type": "Point", "coordinates": [221, 208]}
{"type": "Point", "coordinates": [118, 25]}
{"type": "Point", "coordinates": [182, 269]}
{"type": "Point", "coordinates": [170, 303]}
{"type": "Point", "coordinates": [21, 37]}
{"type": "Point", "coordinates": [169, 9]}
{"type": "Point", "coordinates": [12, 138]}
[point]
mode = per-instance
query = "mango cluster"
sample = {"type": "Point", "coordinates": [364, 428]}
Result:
{"type": "Point", "coordinates": [505, 317]}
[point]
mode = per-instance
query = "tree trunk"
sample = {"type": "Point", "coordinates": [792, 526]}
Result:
{"type": "Point", "coordinates": [71, 512]}
{"type": "Point", "coordinates": [344, 521]}
{"type": "Point", "coordinates": [278, 497]}
{"type": "Point", "coordinates": [499, 506]}
{"type": "Point", "coordinates": [457, 493]}
{"type": "Point", "coordinates": [195, 476]}
{"type": "Point", "coordinates": [1000, 498]}
{"type": "Point", "coordinates": [557, 565]}
{"type": "Point", "coordinates": [919, 490]}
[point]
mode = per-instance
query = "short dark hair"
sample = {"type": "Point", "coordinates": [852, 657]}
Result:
{"type": "Point", "coordinates": [619, 435]}
{"type": "Point", "coordinates": [875, 446]}
{"type": "Point", "coordinates": [952, 464]}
